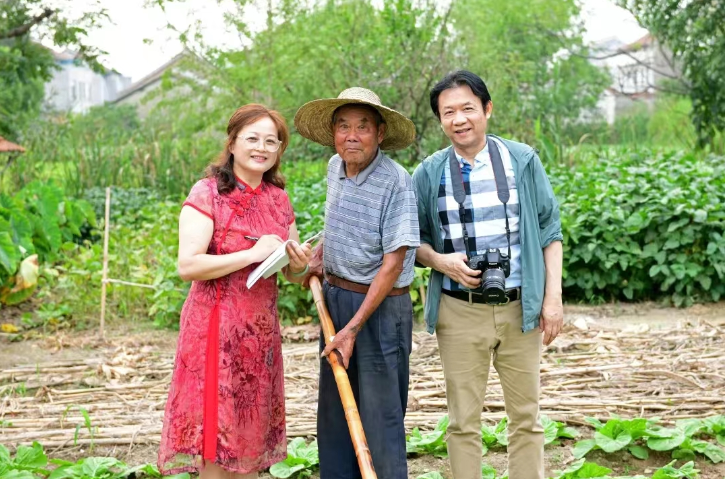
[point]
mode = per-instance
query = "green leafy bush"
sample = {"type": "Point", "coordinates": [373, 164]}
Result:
{"type": "Point", "coordinates": [307, 189]}
{"type": "Point", "coordinates": [31, 463]}
{"type": "Point", "coordinates": [583, 470]}
{"type": "Point", "coordinates": [554, 430]}
{"type": "Point", "coordinates": [142, 249]}
{"type": "Point", "coordinates": [429, 443]}
{"type": "Point", "coordinates": [640, 435]}
{"type": "Point", "coordinates": [300, 462]}
{"type": "Point", "coordinates": [126, 203]}
{"type": "Point", "coordinates": [434, 442]}
{"type": "Point", "coordinates": [687, 471]}
{"type": "Point", "coordinates": [28, 462]}
{"type": "Point", "coordinates": [681, 439]}
{"type": "Point", "coordinates": [39, 219]}
{"type": "Point", "coordinates": [715, 426]}
{"type": "Point", "coordinates": [495, 436]}
{"type": "Point", "coordinates": [643, 225]}
{"type": "Point", "coordinates": [615, 435]}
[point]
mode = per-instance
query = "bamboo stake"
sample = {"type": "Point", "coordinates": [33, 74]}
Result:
{"type": "Point", "coordinates": [364, 459]}
{"type": "Point", "coordinates": [104, 279]}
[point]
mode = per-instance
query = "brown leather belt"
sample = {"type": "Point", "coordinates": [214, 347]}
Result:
{"type": "Point", "coordinates": [360, 288]}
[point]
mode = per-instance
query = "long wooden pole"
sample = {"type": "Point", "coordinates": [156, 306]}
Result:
{"type": "Point", "coordinates": [359, 442]}
{"type": "Point", "coordinates": [104, 279]}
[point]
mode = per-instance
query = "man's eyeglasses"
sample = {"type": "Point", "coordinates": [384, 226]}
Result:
{"type": "Point", "coordinates": [252, 142]}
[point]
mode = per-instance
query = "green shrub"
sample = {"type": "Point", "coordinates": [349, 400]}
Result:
{"type": "Point", "coordinates": [638, 225]}
{"type": "Point", "coordinates": [142, 248]}
{"type": "Point", "coordinates": [37, 220]}
{"type": "Point", "coordinates": [643, 225]}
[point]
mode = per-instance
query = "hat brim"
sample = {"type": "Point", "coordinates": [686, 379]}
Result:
{"type": "Point", "coordinates": [314, 121]}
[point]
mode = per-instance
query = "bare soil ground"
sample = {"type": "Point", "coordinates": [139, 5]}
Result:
{"type": "Point", "coordinates": [633, 360]}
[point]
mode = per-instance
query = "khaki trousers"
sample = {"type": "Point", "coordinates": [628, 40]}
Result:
{"type": "Point", "coordinates": [470, 338]}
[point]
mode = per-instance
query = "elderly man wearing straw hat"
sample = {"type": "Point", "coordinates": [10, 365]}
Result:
{"type": "Point", "coordinates": [370, 237]}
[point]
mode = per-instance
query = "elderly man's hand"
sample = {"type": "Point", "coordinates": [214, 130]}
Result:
{"type": "Point", "coordinates": [455, 266]}
{"type": "Point", "coordinates": [344, 342]}
{"type": "Point", "coordinates": [315, 265]}
{"type": "Point", "coordinates": [552, 317]}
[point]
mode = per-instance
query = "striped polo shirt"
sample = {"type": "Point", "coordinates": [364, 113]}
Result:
{"type": "Point", "coordinates": [369, 215]}
{"type": "Point", "coordinates": [484, 213]}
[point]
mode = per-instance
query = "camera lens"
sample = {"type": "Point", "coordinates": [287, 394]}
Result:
{"type": "Point", "coordinates": [493, 284]}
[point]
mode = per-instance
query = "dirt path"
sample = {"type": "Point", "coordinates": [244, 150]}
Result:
{"type": "Point", "coordinates": [142, 359]}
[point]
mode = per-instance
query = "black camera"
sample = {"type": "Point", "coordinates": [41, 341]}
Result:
{"type": "Point", "coordinates": [496, 267]}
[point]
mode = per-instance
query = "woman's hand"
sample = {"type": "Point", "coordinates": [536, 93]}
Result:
{"type": "Point", "coordinates": [265, 246]}
{"type": "Point", "coordinates": [299, 256]}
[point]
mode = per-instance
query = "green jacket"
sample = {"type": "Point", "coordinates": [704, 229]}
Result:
{"type": "Point", "coordinates": [539, 225]}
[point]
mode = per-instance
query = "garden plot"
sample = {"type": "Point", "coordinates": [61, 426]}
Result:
{"type": "Point", "coordinates": [117, 395]}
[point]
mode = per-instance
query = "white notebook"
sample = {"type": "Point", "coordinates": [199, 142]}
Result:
{"type": "Point", "coordinates": [274, 262]}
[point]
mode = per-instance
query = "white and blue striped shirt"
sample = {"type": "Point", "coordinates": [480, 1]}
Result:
{"type": "Point", "coordinates": [484, 212]}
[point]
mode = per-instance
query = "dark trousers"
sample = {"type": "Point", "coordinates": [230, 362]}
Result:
{"type": "Point", "coordinates": [378, 372]}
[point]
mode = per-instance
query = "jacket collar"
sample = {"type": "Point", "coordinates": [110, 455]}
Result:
{"type": "Point", "coordinates": [521, 154]}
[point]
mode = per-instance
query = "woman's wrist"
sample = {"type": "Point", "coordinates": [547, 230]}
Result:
{"type": "Point", "coordinates": [245, 257]}
{"type": "Point", "coordinates": [299, 273]}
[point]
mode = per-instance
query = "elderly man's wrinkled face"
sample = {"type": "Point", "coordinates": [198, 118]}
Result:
{"type": "Point", "coordinates": [357, 136]}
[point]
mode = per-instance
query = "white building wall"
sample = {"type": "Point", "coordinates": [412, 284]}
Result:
{"type": "Point", "coordinates": [76, 88]}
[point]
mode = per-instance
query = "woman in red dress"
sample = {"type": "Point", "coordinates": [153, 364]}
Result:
{"type": "Point", "coordinates": [225, 412]}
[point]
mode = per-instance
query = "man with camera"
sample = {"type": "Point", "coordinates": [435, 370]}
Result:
{"type": "Point", "coordinates": [490, 232]}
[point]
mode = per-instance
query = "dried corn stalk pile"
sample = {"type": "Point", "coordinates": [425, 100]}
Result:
{"type": "Point", "coordinates": [118, 396]}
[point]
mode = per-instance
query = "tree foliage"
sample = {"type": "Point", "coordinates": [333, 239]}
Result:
{"type": "Point", "coordinates": [532, 56]}
{"type": "Point", "coordinates": [25, 64]}
{"type": "Point", "coordinates": [400, 49]}
{"type": "Point", "coordinates": [695, 32]}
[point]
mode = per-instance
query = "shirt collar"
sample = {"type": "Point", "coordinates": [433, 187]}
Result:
{"type": "Point", "coordinates": [482, 158]}
{"type": "Point", "coordinates": [360, 178]}
{"type": "Point", "coordinates": [246, 188]}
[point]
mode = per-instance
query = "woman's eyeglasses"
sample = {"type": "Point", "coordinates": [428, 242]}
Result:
{"type": "Point", "coordinates": [252, 142]}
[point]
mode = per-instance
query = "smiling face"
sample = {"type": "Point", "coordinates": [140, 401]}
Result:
{"type": "Point", "coordinates": [464, 119]}
{"type": "Point", "coordinates": [251, 156]}
{"type": "Point", "coordinates": [357, 136]}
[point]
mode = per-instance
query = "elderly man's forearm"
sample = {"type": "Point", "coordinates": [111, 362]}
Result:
{"type": "Point", "coordinates": [553, 260]}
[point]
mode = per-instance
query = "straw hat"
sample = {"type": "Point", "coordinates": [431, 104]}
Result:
{"type": "Point", "coordinates": [314, 119]}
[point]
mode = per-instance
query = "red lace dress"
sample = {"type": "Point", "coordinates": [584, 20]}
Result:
{"type": "Point", "coordinates": [226, 401]}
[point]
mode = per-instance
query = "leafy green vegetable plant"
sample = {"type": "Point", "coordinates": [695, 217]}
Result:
{"type": "Point", "coordinates": [615, 435]}
{"type": "Point", "coordinates": [301, 460]}
{"type": "Point", "coordinates": [429, 443]}
{"type": "Point", "coordinates": [28, 462]}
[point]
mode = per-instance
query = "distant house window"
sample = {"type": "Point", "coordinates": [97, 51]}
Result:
{"type": "Point", "coordinates": [81, 91]}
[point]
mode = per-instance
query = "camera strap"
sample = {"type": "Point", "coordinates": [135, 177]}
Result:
{"type": "Point", "coordinates": [459, 192]}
